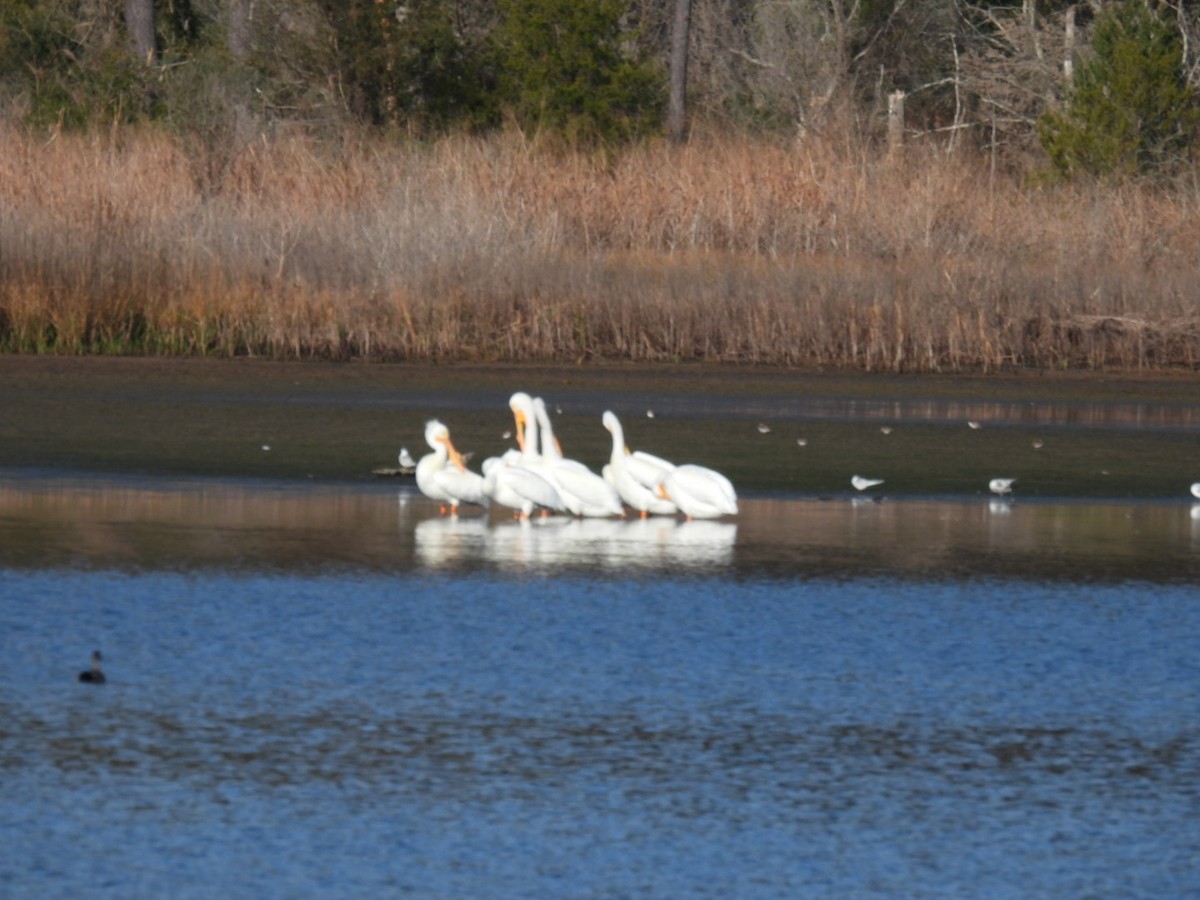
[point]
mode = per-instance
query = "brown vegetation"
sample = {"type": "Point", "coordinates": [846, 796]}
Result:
{"type": "Point", "coordinates": [812, 252]}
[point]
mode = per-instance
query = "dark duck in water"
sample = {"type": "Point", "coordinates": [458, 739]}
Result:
{"type": "Point", "coordinates": [93, 675]}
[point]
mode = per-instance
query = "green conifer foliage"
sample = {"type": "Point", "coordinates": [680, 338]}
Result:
{"type": "Point", "coordinates": [565, 67]}
{"type": "Point", "coordinates": [1130, 112]}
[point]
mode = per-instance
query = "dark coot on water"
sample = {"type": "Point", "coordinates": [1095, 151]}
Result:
{"type": "Point", "coordinates": [93, 675]}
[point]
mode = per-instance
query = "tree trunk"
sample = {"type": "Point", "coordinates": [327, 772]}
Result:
{"type": "Point", "coordinates": [239, 28]}
{"type": "Point", "coordinates": [1069, 49]}
{"type": "Point", "coordinates": [895, 122]}
{"type": "Point", "coordinates": [139, 20]}
{"type": "Point", "coordinates": [677, 104]}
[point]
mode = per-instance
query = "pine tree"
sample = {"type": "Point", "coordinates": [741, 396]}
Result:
{"type": "Point", "coordinates": [1131, 111]}
{"type": "Point", "coordinates": [566, 69]}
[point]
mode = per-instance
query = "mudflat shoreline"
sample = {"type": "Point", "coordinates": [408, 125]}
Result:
{"type": "Point", "coordinates": [340, 421]}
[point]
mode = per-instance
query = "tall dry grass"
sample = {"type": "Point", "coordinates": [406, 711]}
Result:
{"type": "Point", "coordinates": [813, 253]}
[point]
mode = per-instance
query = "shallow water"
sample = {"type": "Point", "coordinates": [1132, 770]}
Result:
{"type": "Point", "coordinates": [1060, 435]}
{"type": "Point", "coordinates": [322, 690]}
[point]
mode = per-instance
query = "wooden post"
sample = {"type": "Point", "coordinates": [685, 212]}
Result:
{"type": "Point", "coordinates": [895, 121]}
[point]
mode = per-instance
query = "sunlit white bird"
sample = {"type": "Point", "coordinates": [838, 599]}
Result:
{"type": "Point", "coordinates": [518, 488]}
{"type": "Point", "coordinates": [514, 479]}
{"type": "Point", "coordinates": [583, 491]}
{"type": "Point", "coordinates": [1196, 490]}
{"type": "Point", "coordinates": [647, 468]}
{"type": "Point", "coordinates": [406, 459]}
{"type": "Point", "coordinates": [861, 484]}
{"type": "Point", "coordinates": [699, 492]}
{"type": "Point", "coordinates": [1001, 485]}
{"type": "Point", "coordinates": [619, 473]}
{"type": "Point", "coordinates": [443, 476]}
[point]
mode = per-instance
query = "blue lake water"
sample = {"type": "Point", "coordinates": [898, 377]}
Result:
{"type": "Point", "coordinates": [328, 691]}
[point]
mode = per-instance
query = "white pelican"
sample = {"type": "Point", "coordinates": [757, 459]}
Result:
{"type": "Point", "coordinates": [514, 479]}
{"type": "Point", "coordinates": [699, 492]}
{"type": "Point", "coordinates": [583, 491]}
{"type": "Point", "coordinates": [1195, 489]}
{"type": "Point", "coordinates": [1001, 485]}
{"type": "Point", "coordinates": [406, 460]}
{"type": "Point", "coordinates": [518, 488]}
{"type": "Point", "coordinates": [442, 475]}
{"type": "Point", "coordinates": [861, 484]}
{"type": "Point", "coordinates": [648, 469]}
{"type": "Point", "coordinates": [618, 473]}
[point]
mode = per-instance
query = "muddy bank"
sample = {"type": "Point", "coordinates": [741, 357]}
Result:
{"type": "Point", "coordinates": [770, 430]}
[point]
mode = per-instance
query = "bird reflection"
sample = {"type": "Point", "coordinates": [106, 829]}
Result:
{"type": "Point", "coordinates": [447, 540]}
{"type": "Point", "coordinates": [558, 543]}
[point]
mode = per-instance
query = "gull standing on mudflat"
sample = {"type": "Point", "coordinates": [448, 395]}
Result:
{"type": "Point", "coordinates": [1001, 485]}
{"type": "Point", "coordinates": [861, 484]}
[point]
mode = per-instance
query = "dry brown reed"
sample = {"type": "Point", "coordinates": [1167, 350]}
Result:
{"type": "Point", "coordinates": [730, 249]}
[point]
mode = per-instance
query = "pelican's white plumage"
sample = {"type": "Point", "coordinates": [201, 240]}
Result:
{"type": "Point", "coordinates": [1001, 485]}
{"type": "Point", "coordinates": [1196, 490]}
{"type": "Point", "coordinates": [699, 492]}
{"type": "Point", "coordinates": [518, 488]}
{"type": "Point", "coordinates": [861, 484]}
{"type": "Point", "coordinates": [583, 491]}
{"type": "Point", "coordinates": [442, 475]}
{"type": "Point", "coordinates": [642, 497]}
{"type": "Point", "coordinates": [514, 479]}
{"type": "Point", "coordinates": [647, 469]}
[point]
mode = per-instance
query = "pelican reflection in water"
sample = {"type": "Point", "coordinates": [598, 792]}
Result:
{"type": "Point", "coordinates": [556, 543]}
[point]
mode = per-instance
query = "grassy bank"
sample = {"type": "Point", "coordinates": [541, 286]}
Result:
{"type": "Point", "coordinates": [810, 253]}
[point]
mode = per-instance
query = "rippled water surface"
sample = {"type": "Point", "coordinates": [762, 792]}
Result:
{"type": "Point", "coordinates": [327, 691]}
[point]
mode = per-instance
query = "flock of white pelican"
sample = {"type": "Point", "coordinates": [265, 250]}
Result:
{"type": "Point", "coordinates": [537, 476]}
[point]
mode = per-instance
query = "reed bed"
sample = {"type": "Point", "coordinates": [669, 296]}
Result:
{"type": "Point", "coordinates": [816, 252]}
